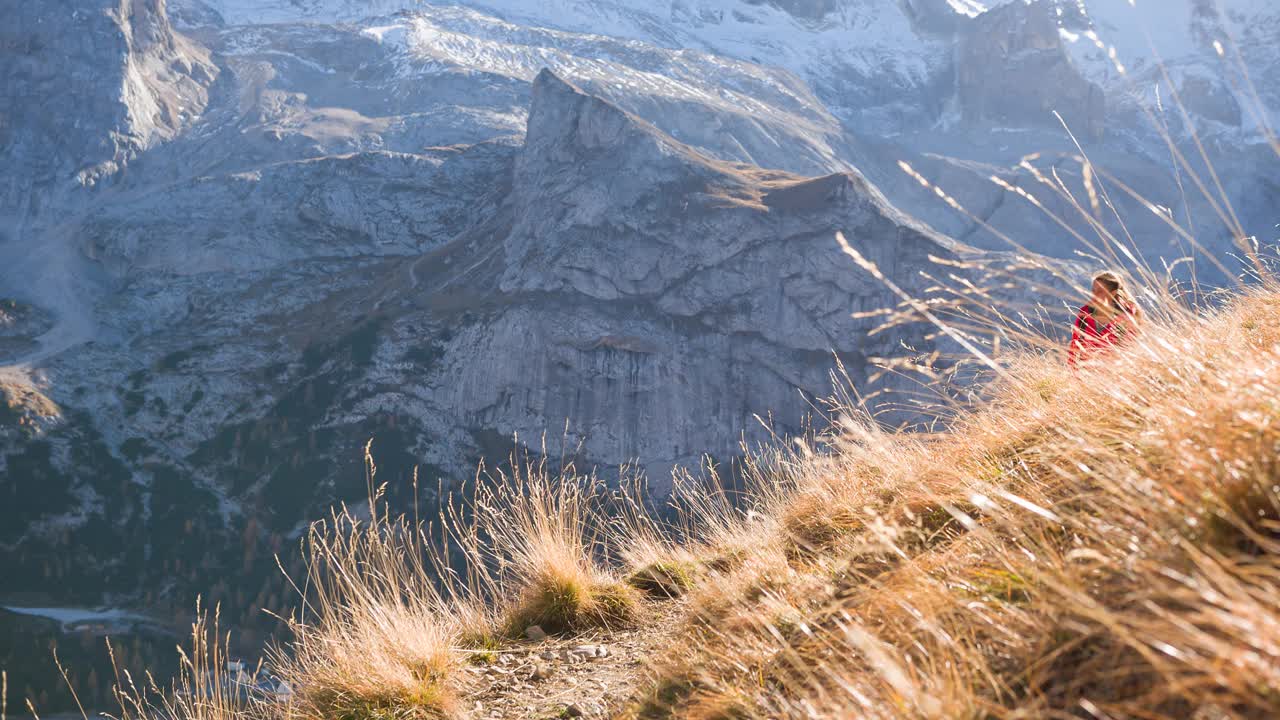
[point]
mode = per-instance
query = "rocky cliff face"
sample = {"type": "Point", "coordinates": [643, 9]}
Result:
{"type": "Point", "coordinates": [90, 85]}
{"type": "Point", "coordinates": [807, 9]}
{"type": "Point", "coordinates": [696, 294]}
{"type": "Point", "coordinates": [1012, 70]}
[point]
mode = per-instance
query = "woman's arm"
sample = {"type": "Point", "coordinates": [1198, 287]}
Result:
{"type": "Point", "coordinates": [1133, 319]}
{"type": "Point", "coordinates": [1073, 348]}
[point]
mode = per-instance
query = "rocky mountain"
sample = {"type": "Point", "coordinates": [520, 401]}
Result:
{"type": "Point", "coordinates": [115, 78]}
{"type": "Point", "coordinates": [240, 239]}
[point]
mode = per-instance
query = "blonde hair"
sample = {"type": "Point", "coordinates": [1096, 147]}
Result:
{"type": "Point", "coordinates": [1122, 300]}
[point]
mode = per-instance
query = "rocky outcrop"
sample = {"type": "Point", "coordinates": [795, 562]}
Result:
{"type": "Point", "coordinates": [1209, 98]}
{"type": "Point", "coordinates": [90, 84]}
{"type": "Point", "coordinates": [690, 294]}
{"type": "Point", "coordinates": [804, 9]}
{"type": "Point", "coordinates": [613, 208]}
{"type": "Point", "coordinates": [363, 204]}
{"type": "Point", "coordinates": [20, 326]}
{"type": "Point", "coordinates": [935, 16]}
{"type": "Point", "coordinates": [1012, 70]}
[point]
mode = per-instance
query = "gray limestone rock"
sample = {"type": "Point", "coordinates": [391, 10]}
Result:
{"type": "Point", "coordinates": [695, 294]}
{"type": "Point", "coordinates": [1012, 70]}
{"type": "Point", "coordinates": [89, 85]}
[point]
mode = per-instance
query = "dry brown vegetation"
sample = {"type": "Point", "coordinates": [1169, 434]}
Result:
{"type": "Point", "coordinates": [1102, 543]}
{"type": "Point", "coordinates": [389, 621]}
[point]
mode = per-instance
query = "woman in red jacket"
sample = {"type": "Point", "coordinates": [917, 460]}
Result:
{"type": "Point", "coordinates": [1111, 317]}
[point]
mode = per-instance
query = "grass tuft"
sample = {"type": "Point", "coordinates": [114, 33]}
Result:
{"type": "Point", "coordinates": [664, 578]}
{"type": "Point", "coordinates": [377, 636]}
{"type": "Point", "coordinates": [562, 605]}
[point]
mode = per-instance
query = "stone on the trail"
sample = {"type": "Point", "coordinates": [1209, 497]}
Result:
{"type": "Point", "coordinates": [572, 710]}
{"type": "Point", "coordinates": [585, 652]}
{"type": "Point", "coordinates": [535, 633]}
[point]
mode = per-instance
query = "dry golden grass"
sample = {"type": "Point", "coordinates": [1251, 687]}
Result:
{"type": "Point", "coordinates": [378, 632]}
{"type": "Point", "coordinates": [375, 638]}
{"type": "Point", "coordinates": [1100, 544]}
{"type": "Point", "coordinates": [387, 622]}
{"type": "Point", "coordinates": [206, 688]}
{"type": "Point", "coordinates": [545, 536]}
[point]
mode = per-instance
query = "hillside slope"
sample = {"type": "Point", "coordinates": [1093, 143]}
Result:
{"type": "Point", "coordinates": [1092, 544]}
{"type": "Point", "coordinates": [1102, 542]}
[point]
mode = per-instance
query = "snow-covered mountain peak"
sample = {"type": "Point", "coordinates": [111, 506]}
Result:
{"type": "Point", "coordinates": [1146, 32]}
{"type": "Point", "coordinates": [879, 36]}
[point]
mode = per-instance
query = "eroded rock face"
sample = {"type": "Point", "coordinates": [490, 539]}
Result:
{"type": "Point", "coordinates": [371, 203]}
{"type": "Point", "coordinates": [692, 294]}
{"type": "Point", "coordinates": [807, 9]}
{"type": "Point", "coordinates": [20, 326]}
{"type": "Point", "coordinates": [936, 16]}
{"type": "Point", "coordinates": [91, 83]}
{"type": "Point", "coordinates": [1209, 98]}
{"type": "Point", "coordinates": [1012, 70]}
